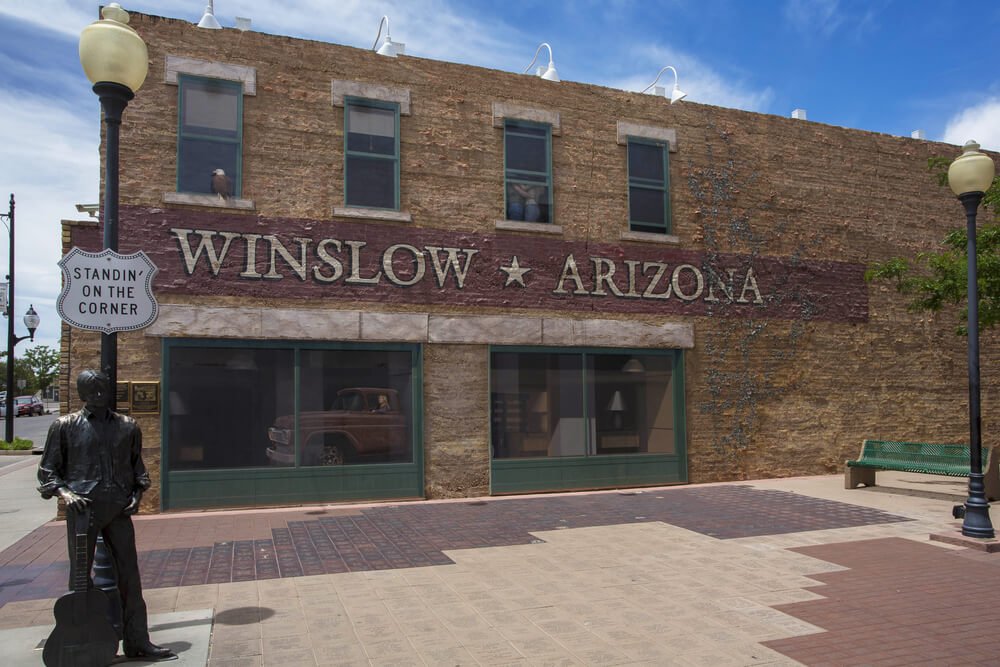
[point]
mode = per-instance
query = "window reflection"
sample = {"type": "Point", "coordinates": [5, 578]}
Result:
{"type": "Point", "coordinates": [222, 401]}
{"type": "Point", "coordinates": [355, 407]}
{"type": "Point", "coordinates": [574, 404]}
{"type": "Point", "coordinates": [210, 134]}
{"type": "Point", "coordinates": [632, 403]}
{"type": "Point", "coordinates": [235, 407]}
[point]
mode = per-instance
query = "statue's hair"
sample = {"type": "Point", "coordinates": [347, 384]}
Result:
{"type": "Point", "coordinates": [88, 378]}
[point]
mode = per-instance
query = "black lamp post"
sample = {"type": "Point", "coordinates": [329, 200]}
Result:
{"type": "Point", "coordinates": [31, 321]}
{"type": "Point", "coordinates": [115, 60]}
{"type": "Point", "coordinates": [969, 176]}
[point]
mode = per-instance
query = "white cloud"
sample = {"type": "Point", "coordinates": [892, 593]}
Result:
{"type": "Point", "coordinates": [430, 28]}
{"type": "Point", "coordinates": [50, 163]}
{"type": "Point", "coordinates": [812, 16]}
{"type": "Point", "coordinates": [980, 122]}
{"type": "Point", "coordinates": [699, 80]}
{"type": "Point", "coordinates": [826, 17]}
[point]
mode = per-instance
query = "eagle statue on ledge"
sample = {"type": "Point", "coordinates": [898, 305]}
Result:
{"type": "Point", "coordinates": [220, 184]}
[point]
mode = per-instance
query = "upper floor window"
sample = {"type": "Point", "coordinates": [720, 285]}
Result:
{"type": "Point", "coordinates": [648, 186]}
{"type": "Point", "coordinates": [528, 171]}
{"type": "Point", "coordinates": [371, 154]}
{"type": "Point", "coordinates": [210, 136]}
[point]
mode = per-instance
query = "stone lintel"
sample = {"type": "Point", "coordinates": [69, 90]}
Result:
{"type": "Point", "coordinates": [205, 322]}
{"type": "Point", "coordinates": [370, 91]}
{"type": "Point", "coordinates": [214, 70]}
{"type": "Point", "coordinates": [294, 324]}
{"type": "Point", "coordinates": [394, 327]}
{"type": "Point", "coordinates": [665, 134]}
{"type": "Point", "coordinates": [485, 329]}
{"type": "Point", "coordinates": [176, 320]}
{"type": "Point", "coordinates": [504, 110]}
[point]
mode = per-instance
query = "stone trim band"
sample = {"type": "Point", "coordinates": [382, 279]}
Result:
{"type": "Point", "coordinates": [177, 320]}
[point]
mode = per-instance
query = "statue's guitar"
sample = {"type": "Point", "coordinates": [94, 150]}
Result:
{"type": "Point", "coordinates": [83, 636]}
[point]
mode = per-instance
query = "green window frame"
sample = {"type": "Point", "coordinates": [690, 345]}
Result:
{"type": "Point", "coordinates": [209, 138]}
{"type": "Point", "coordinates": [369, 158]}
{"type": "Point", "coordinates": [648, 186]}
{"type": "Point", "coordinates": [266, 483]}
{"type": "Point", "coordinates": [527, 181]}
{"type": "Point", "coordinates": [598, 385]}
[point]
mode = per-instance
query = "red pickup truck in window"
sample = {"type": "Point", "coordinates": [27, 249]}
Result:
{"type": "Point", "coordinates": [364, 424]}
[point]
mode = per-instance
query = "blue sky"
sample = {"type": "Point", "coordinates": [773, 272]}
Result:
{"type": "Point", "coordinates": [890, 66]}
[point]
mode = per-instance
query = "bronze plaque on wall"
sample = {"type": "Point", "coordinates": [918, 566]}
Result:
{"type": "Point", "coordinates": [145, 397]}
{"type": "Point", "coordinates": [122, 397]}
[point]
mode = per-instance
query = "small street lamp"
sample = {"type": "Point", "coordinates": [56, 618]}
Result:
{"type": "Point", "coordinates": [969, 176]}
{"type": "Point", "coordinates": [116, 61]}
{"type": "Point", "coordinates": [31, 321]}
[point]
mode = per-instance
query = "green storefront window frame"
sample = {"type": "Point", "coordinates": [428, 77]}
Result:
{"type": "Point", "coordinates": [662, 186]}
{"type": "Point", "coordinates": [372, 104]}
{"type": "Point", "coordinates": [407, 476]}
{"type": "Point", "coordinates": [512, 126]}
{"type": "Point", "coordinates": [183, 82]}
{"type": "Point", "coordinates": [593, 471]}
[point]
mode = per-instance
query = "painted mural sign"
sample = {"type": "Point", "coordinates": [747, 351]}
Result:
{"type": "Point", "coordinates": [309, 259]}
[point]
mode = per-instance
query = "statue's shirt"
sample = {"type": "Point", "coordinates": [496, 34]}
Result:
{"type": "Point", "coordinates": [93, 456]}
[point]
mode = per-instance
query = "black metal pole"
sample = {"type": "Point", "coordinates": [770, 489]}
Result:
{"type": "Point", "coordinates": [11, 341]}
{"type": "Point", "coordinates": [977, 510]}
{"type": "Point", "coordinates": [114, 98]}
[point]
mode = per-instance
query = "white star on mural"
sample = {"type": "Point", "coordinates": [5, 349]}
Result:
{"type": "Point", "coordinates": [515, 273]}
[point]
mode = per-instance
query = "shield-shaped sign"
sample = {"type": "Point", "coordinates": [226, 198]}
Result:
{"type": "Point", "coordinates": [106, 291]}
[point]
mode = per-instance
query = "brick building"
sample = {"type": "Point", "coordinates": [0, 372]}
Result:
{"type": "Point", "coordinates": [425, 279]}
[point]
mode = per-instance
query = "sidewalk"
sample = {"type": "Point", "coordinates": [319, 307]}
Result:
{"type": "Point", "coordinates": [771, 572]}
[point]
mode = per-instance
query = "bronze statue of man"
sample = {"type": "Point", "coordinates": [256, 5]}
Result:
{"type": "Point", "coordinates": [93, 460]}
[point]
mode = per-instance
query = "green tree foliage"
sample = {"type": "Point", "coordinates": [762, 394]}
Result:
{"type": "Point", "coordinates": [44, 364]}
{"type": "Point", "coordinates": [22, 371]}
{"type": "Point", "coordinates": [934, 280]}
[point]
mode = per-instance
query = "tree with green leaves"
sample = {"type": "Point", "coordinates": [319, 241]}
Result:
{"type": "Point", "coordinates": [934, 280]}
{"type": "Point", "coordinates": [25, 381]}
{"type": "Point", "coordinates": [44, 363]}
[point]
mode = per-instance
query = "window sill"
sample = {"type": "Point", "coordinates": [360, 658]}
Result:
{"type": "Point", "coordinates": [521, 226]}
{"type": "Point", "coordinates": [372, 214]}
{"type": "Point", "coordinates": [649, 237]}
{"type": "Point", "coordinates": [191, 199]}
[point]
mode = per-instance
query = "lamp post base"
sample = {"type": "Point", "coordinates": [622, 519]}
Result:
{"type": "Point", "coordinates": [976, 522]}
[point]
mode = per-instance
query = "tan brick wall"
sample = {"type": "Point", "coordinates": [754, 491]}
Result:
{"type": "Point", "coordinates": [456, 423]}
{"type": "Point", "coordinates": [764, 397]}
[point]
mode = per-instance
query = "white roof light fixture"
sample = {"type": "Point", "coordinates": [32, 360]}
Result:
{"type": "Point", "coordinates": [548, 73]}
{"type": "Point", "coordinates": [388, 48]}
{"type": "Point", "coordinates": [208, 20]}
{"type": "Point", "coordinates": [676, 95]}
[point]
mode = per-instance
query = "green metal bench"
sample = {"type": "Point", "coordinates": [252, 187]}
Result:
{"type": "Point", "coordinates": [922, 457]}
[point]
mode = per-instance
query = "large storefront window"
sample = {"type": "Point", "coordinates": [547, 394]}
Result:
{"type": "Point", "coordinates": [221, 403]}
{"type": "Point", "coordinates": [553, 404]}
{"type": "Point", "coordinates": [355, 407]}
{"type": "Point", "coordinates": [256, 407]}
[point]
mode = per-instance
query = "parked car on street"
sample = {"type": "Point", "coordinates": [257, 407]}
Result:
{"type": "Point", "coordinates": [23, 406]}
{"type": "Point", "coordinates": [363, 423]}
